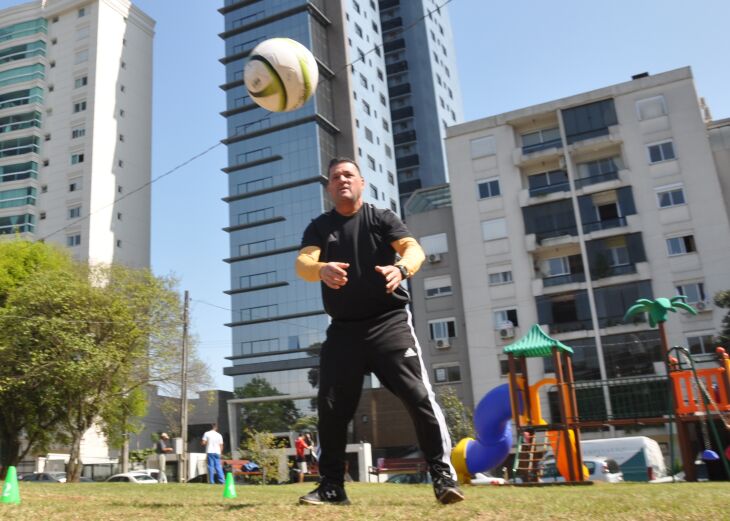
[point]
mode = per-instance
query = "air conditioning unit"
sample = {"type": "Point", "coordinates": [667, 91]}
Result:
{"type": "Point", "coordinates": [506, 332]}
{"type": "Point", "coordinates": [702, 305]}
{"type": "Point", "coordinates": [434, 258]}
{"type": "Point", "coordinates": [442, 343]}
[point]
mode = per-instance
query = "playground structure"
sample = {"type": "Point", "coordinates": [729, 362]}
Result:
{"type": "Point", "coordinates": [684, 396]}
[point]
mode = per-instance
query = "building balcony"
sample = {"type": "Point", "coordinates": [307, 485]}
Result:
{"type": "Point", "coordinates": [402, 113]}
{"type": "Point", "coordinates": [611, 227]}
{"type": "Point", "coordinates": [596, 179]}
{"type": "Point", "coordinates": [394, 68]}
{"type": "Point", "coordinates": [399, 90]}
{"type": "Point", "coordinates": [627, 273]}
{"type": "Point", "coordinates": [605, 224]}
{"type": "Point", "coordinates": [393, 23]}
{"type": "Point", "coordinates": [404, 137]}
{"type": "Point", "coordinates": [561, 284]}
{"type": "Point", "coordinates": [387, 4]}
{"type": "Point", "coordinates": [570, 326]}
{"type": "Point", "coordinates": [597, 140]}
{"type": "Point", "coordinates": [542, 152]}
{"type": "Point", "coordinates": [407, 161]}
{"type": "Point", "coordinates": [394, 45]}
{"type": "Point", "coordinates": [551, 238]}
{"type": "Point", "coordinates": [545, 194]}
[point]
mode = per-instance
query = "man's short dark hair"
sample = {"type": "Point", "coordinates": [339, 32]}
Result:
{"type": "Point", "coordinates": [342, 159]}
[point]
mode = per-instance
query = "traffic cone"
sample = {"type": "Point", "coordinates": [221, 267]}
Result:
{"type": "Point", "coordinates": [229, 492]}
{"type": "Point", "coordinates": [11, 494]}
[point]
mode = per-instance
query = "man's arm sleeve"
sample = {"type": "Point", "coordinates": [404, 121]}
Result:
{"type": "Point", "coordinates": [307, 264]}
{"type": "Point", "coordinates": [411, 253]}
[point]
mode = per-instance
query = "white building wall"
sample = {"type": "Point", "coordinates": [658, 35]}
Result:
{"type": "Point", "coordinates": [703, 215]}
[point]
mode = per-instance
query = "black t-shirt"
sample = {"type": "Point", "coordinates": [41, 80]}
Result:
{"type": "Point", "coordinates": [161, 446]}
{"type": "Point", "coordinates": [362, 240]}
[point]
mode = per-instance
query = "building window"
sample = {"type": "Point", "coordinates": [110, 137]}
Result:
{"type": "Point", "coordinates": [488, 188]}
{"type": "Point", "coordinates": [501, 277]}
{"type": "Point", "coordinates": [363, 81]}
{"type": "Point", "coordinates": [81, 81]}
{"type": "Point", "coordinates": [672, 195]}
{"type": "Point", "coordinates": [391, 177]}
{"type": "Point", "coordinates": [371, 163]}
{"type": "Point", "coordinates": [700, 344]}
{"type": "Point", "coordinates": [81, 12]}
{"type": "Point", "coordinates": [78, 132]}
{"type": "Point", "coordinates": [73, 240]}
{"type": "Point", "coordinates": [253, 248]}
{"type": "Point", "coordinates": [504, 317]}
{"type": "Point", "coordinates": [446, 374]}
{"type": "Point", "coordinates": [650, 108]}
{"type": "Point", "coordinates": [74, 185]}
{"type": "Point", "coordinates": [661, 152]}
{"type": "Point", "coordinates": [618, 256]}
{"type": "Point", "coordinates": [434, 244]}
{"type": "Point", "coordinates": [121, 138]}
{"type": "Point", "coordinates": [79, 106]}
{"type": "Point", "coordinates": [442, 328]}
{"type": "Point", "coordinates": [373, 191]}
{"type": "Point", "coordinates": [74, 212]}
{"type": "Point", "coordinates": [368, 134]}
{"type": "Point", "coordinates": [393, 206]}
{"type": "Point", "coordinates": [77, 158]}
{"type": "Point", "coordinates": [358, 30]}
{"type": "Point", "coordinates": [120, 163]}
{"type": "Point", "coordinates": [82, 33]}
{"type": "Point", "coordinates": [119, 243]}
{"type": "Point", "coordinates": [494, 229]}
{"type": "Point", "coordinates": [681, 245]}
{"type": "Point", "coordinates": [81, 57]}
{"type": "Point", "coordinates": [694, 291]}
{"type": "Point", "coordinates": [119, 216]}
{"type": "Point", "coordinates": [366, 107]}
{"type": "Point", "coordinates": [257, 279]}
{"type": "Point", "coordinates": [437, 286]}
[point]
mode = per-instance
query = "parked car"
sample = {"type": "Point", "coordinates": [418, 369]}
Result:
{"type": "Point", "coordinates": [51, 477]}
{"type": "Point", "coordinates": [131, 477]}
{"type": "Point", "coordinates": [46, 477]}
{"type": "Point", "coordinates": [599, 469]}
{"type": "Point", "coordinates": [153, 473]}
{"type": "Point", "coordinates": [482, 478]}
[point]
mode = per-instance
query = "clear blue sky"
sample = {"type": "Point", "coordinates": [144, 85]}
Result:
{"type": "Point", "coordinates": [510, 55]}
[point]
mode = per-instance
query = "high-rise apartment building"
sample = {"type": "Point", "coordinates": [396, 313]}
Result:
{"type": "Point", "coordinates": [567, 212]}
{"type": "Point", "coordinates": [423, 86]}
{"type": "Point", "coordinates": [75, 126]}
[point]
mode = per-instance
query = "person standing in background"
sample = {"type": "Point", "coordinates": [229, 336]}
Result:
{"type": "Point", "coordinates": [213, 443]}
{"type": "Point", "coordinates": [162, 447]}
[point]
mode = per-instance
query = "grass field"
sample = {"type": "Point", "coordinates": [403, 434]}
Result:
{"type": "Point", "coordinates": [382, 502]}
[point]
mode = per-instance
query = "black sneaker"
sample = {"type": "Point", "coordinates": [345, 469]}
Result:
{"type": "Point", "coordinates": [446, 490]}
{"type": "Point", "coordinates": [327, 493]}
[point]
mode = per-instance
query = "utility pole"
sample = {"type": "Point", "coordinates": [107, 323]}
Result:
{"type": "Point", "coordinates": [184, 395]}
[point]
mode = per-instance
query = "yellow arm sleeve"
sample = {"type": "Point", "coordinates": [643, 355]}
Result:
{"type": "Point", "coordinates": [308, 265]}
{"type": "Point", "coordinates": [411, 253]}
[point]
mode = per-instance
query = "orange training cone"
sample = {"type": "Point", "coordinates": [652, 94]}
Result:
{"type": "Point", "coordinates": [229, 492]}
{"type": "Point", "coordinates": [11, 494]}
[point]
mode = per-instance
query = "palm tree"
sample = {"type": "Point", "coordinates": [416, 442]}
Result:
{"type": "Point", "coordinates": [657, 311]}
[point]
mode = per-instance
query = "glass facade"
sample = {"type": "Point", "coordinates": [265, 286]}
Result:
{"type": "Point", "coordinates": [276, 166]}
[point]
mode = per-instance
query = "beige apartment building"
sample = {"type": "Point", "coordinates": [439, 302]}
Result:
{"type": "Point", "coordinates": [564, 214]}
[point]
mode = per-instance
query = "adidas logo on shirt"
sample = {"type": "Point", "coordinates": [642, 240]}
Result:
{"type": "Point", "coordinates": [410, 352]}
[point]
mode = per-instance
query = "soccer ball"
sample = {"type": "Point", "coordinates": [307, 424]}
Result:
{"type": "Point", "coordinates": [281, 74]}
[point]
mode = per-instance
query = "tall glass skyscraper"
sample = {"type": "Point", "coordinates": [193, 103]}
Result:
{"type": "Point", "coordinates": [277, 167]}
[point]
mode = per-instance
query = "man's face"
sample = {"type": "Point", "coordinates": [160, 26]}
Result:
{"type": "Point", "coordinates": [345, 183]}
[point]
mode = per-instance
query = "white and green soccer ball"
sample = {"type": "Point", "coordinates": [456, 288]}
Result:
{"type": "Point", "coordinates": [281, 74]}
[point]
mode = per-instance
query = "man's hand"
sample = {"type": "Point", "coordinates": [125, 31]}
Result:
{"type": "Point", "coordinates": [392, 275]}
{"type": "Point", "coordinates": [334, 274]}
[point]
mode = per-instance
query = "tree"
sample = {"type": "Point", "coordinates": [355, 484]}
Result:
{"type": "Point", "coordinates": [722, 299]}
{"type": "Point", "coordinates": [263, 448]}
{"type": "Point", "coordinates": [459, 420]}
{"type": "Point", "coordinates": [27, 409]}
{"type": "Point", "coordinates": [269, 416]}
{"type": "Point", "coordinates": [91, 338]}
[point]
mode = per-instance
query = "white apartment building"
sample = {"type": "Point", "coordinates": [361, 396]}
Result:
{"type": "Point", "coordinates": [567, 212]}
{"type": "Point", "coordinates": [75, 127]}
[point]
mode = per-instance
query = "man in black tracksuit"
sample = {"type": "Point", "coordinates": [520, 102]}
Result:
{"type": "Point", "coordinates": [352, 251]}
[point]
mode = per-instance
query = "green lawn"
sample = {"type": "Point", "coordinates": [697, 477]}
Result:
{"type": "Point", "coordinates": [383, 502]}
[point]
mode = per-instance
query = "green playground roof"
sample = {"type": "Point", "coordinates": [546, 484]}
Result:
{"type": "Point", "coordinates": [536, 343]}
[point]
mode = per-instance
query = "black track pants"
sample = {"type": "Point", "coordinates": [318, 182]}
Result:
{"type": "Point", "coordinates": [387, 347]}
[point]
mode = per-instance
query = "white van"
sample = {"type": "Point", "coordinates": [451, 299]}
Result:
{"type": "Point", "coordinates": [639, 457]}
